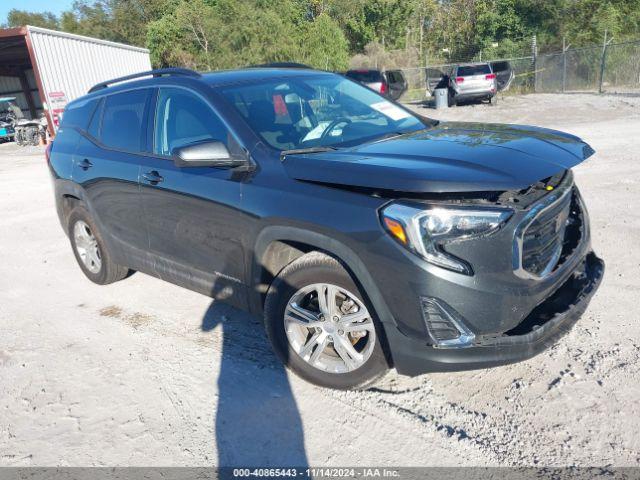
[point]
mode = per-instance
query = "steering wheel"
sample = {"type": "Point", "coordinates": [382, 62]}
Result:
{"type": "Point", "coordinates": [333, 125]}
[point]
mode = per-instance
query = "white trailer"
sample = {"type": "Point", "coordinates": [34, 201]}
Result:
{"type": "Point", "coordinates": [45, 69]}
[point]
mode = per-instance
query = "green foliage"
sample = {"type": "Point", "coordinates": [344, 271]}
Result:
{"type": "Point", "coordinates": [220, 34]}
{"type": "Point", "coordinates": [323, 44]}
{"type": "Point", "coordinates": [93, 19]}
{"type": "Point", "coordinates": [163, 36]}
{"type": "Point", "coordinates": [214, 34]}
{"type": "Point", "coordinates": [17, 18]}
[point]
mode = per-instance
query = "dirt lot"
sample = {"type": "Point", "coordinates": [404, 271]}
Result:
{"type": "Point", "coordinates": [144, 373]}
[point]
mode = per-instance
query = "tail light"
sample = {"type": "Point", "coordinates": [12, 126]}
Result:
{"type": "Point", "coordinates": [47, 152]}
{"type": "Point", "coordinates": [459, 79]}
{"type": "Point", "coordinates": [383, 87]}
{"type": "Point", "coordinates": [491, 76]}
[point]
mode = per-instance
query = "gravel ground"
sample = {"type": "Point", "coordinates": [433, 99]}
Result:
{"type": "Point", "coordinates": [144, 373]}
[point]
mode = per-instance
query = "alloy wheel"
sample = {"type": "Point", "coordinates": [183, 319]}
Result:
{"type": "Point", "coordinates": [329, 328]}
{"type": "Point", "coordinates": [87, 246]}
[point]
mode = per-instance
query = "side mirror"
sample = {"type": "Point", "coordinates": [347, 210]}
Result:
{"type": "Point", "coordinates": [207, 154]}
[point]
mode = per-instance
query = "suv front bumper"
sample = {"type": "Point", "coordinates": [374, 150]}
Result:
{"type": "Point", "coordinates": [545, 325]}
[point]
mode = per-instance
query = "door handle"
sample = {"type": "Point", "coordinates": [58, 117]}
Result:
{"type": "Point", "coordinates": [153, 177]}
{"type": "Point", "coordinates": [85, 164]}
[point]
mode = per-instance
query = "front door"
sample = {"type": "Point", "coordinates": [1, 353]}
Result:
{"type": "Point", "coordinates": [192, 213]}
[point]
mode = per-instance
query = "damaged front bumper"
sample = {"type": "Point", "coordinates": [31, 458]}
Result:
{"type": "Point", "coordinates": [543, 327]}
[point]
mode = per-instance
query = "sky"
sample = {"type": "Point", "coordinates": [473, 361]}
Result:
{"type": "Point", "coordinates": [55, 6]}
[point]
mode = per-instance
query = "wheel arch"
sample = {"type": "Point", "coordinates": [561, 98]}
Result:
{"type": "Point", "coordinates": [277, 246]}
{"type": "Point", "coordinates": [68, 195]}
{"type": "Point", "coordinates": [69, 201]}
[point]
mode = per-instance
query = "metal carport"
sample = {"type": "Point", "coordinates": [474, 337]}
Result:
{"type": "Point", "coordinates": [44, 69]}
{"type": "Point", "coordinates": [17, 75]}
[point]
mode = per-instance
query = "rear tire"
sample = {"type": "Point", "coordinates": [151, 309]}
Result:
{"type": "Point", "coordinates": [335, 353]}
{"type": "Point", "coordinates": [493, 101]}
{"type": "Point", "coordinates": [90, 251]}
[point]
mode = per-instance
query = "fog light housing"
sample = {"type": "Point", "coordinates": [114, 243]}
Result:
{"type": "Point", "coordinates": [444, 325]}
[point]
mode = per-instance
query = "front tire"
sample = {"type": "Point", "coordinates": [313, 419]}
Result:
{"type": "Point", "coordinates": [320, 327]}
{"type": "Point", "coordinates": [90, 250]}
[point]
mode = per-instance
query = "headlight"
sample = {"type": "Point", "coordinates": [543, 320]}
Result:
{"type": "Point", "coordinates": [427, 231]}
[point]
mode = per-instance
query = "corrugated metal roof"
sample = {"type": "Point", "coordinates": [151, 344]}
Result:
{"type": "Point", "coordinates": [82, 38]}
{"type": "Point", "coordinates": [72, 64]}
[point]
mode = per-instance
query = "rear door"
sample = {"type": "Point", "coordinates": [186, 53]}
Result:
{"type": "Point", "coordinates": [397, 84]}
{"type": "Point", "coordinates": [504, 74]}
{"type": "Point", "coordinates": [192, 214]}
{"type": "Point", "coordinates": [436, 78]}
{"type": "Point", "coordinates": [107, 166]}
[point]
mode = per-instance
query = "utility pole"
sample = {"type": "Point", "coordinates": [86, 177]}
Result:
{"type": "Point", "coordinates": [565, 47]}
{"type": "Point", "coordinates": [534, 62]}
{"type": "Point", "coordinates": [603, 62]}
{"type": "Point", "coordinates": [421, 33]}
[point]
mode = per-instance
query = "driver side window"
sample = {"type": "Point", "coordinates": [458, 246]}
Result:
{"type": "Point", "coordinates": [183, 118]}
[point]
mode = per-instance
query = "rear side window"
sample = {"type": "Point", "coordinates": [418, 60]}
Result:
{"type": "Point", "coordinates": [183, 118]}
{"type": "Point", "coordinates": [78, 114]}
{"type": "Point", "coordinates": [96, 120]}
{"type": "Point", "coordinates": [366, 76]}
{"type": "Point", "coordinates": [500, 66]}
{"type": "Point", "coordinates": [123, 126]}
{"type": "Point", "coordinates": [395, 76]}
{"type": "Point", "coordinates": [469, 70]}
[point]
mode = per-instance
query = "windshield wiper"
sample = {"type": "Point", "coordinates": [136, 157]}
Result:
{"type": "Point", "coordinates": [390, 135]}
{"type": "Point", "coordinates": [297, 151]}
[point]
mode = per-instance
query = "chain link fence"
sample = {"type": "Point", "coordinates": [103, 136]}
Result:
{"type": "Point", "coordinates": [610, 68]}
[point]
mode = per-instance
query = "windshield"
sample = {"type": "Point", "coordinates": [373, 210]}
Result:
{"type": "Point", "coordinates": [318, 111]}
{"type": "Point", "coordinates": [366, 76]}
{"type": "Point", "coordinates": [473, 70]}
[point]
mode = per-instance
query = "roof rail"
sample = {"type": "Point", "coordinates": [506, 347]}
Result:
{"type": "Point", "coordinates": [161, 72]}
{"type": "Point", "coordinates": [281, 65]}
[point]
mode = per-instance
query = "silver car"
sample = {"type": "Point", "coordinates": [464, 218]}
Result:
{"type": "Point", "coordinates": [473, 81]}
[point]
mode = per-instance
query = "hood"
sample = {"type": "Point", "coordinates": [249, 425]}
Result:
{"type": "Point", "coordinates": [450, 157]}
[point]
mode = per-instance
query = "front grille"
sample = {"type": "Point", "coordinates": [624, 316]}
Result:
{"type": "Point", "coordinates": [551, 236]}
{"type": "Point", "coordinates": [543, 238]}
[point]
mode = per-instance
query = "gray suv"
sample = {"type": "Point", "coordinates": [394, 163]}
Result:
{"type": "Point", "coordinates": [473, 81]}
{"type": "Point", "coordinates": [367, 237]}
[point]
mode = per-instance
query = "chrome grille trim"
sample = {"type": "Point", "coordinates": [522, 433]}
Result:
{"type": "Point", "coordinates": [561, 194]}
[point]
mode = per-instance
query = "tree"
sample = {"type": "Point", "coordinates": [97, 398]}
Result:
{"type": "Point", "coordinates": [211, 34]}
{"type": "Point", "coordinates": [208, 35]}
{"type": "Point", "coordinates": [19, 18]}
{"type": "Point", "coordinates": [324, 45]}
{"type": "Point", "coordinates": [163, 40]}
